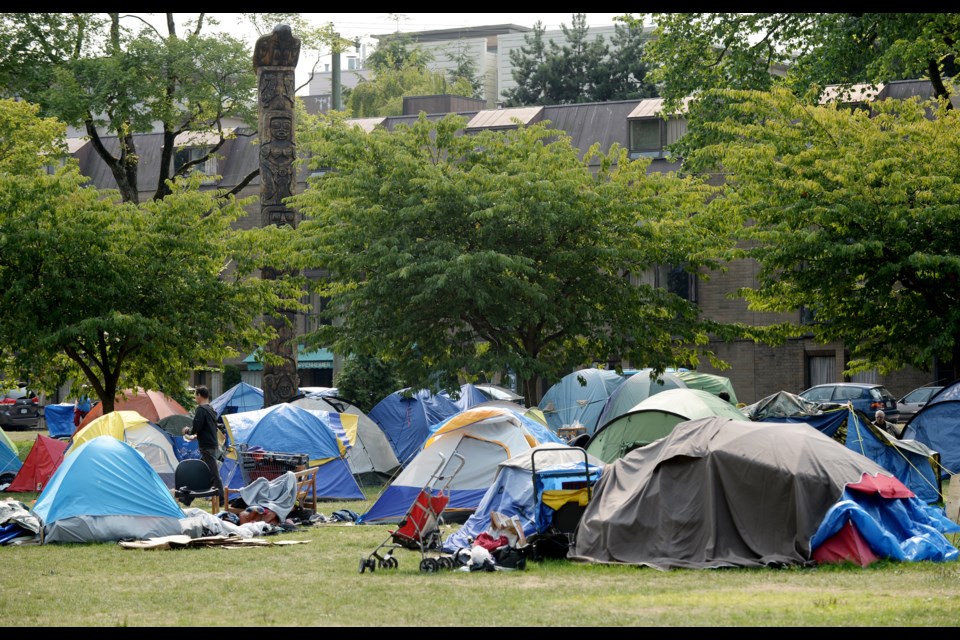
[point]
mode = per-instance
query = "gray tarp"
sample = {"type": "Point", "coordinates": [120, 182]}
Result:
{"type": "Point", "coordinates": [718, 492]}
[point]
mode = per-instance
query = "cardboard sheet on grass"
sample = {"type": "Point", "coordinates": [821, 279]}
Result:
{"type": "Point", "coordinates": [182, 541]}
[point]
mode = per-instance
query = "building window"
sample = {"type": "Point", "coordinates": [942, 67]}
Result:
{"type": "Point", "coordinates": [677, 281]}
{"type": "Point", "coordinates": [208, 167]}
{"type": "Point", "coordinates": [646, 138]}
{"type": "Point", "coordinates": [821, 370]}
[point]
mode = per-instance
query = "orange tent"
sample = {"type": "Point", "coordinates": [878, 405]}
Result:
{"type": "Point", "coordinates": [152, 405]}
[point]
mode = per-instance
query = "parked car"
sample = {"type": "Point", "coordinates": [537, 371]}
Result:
{"type": "Point", "coordinates": [23, 413]}
{"type": "Point", "coordinates": [909, 404]}
{"type": "Point", "coordinates": [865, 397]}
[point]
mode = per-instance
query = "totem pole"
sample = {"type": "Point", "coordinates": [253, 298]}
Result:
{"type": "Point", "coordinates": [275, 60]}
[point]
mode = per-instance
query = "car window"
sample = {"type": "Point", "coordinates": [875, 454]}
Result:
{"type": "Point", "coordinates": [847, 393]}
{"type": "Point", "coordinates": [918, 395]}
{"type": "Point", "coordinates": [876, 394]}
{"type": "Point", "coordinates": [817, 394]}
{"type": "Point", "coordinates": [882, 394]}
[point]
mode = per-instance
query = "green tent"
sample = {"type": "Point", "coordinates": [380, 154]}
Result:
{"type": "Point", "coordinates": [708, 382]}
{"type": "Point", "coordinates": [654, 418]}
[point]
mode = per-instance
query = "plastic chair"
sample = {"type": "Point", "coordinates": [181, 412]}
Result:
{"type": "Point", "coordinates": [192, 480]}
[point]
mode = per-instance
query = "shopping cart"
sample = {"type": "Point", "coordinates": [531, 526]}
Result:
{"type": "Point", "coordinates": [419, 529]}
{"type": "Point", "coordinates": [257, 463]}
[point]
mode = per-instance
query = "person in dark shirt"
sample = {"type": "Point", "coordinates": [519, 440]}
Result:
{"type": "Point", "coordinates": [205, 429]}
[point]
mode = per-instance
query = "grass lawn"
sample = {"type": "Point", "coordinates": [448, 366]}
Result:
{"type": "Point", "coordinates": [319, 584]}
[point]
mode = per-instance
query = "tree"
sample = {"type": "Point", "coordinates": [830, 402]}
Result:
{"type": "Point", "coordinates": [365, 381]}
{"type": "Point", "coordinates": [465, 67]}
{"type": "Point", "coordinates": [119, 294]}
{"type": "Point", "coordinates": [849, 214]}
{"type": "Point", "coordinates": [383, 96]}
{"type": "Point", "coordinates": [457, 254]}
{"type": "Point", "coordinates": [94, 72]}
{"type": "Point", "coordinates": [692, 52]}
{"type": "Point", "coordinates": [579, 69]}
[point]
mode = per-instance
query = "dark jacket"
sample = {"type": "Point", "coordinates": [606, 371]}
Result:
{"type": "Point", "coordinates": [205, 427]}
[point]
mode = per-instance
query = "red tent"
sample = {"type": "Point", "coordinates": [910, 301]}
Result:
{"type": "Point", "coordinates": [152, 405]}
{"type": "Point", "coordinates": [43, 459]}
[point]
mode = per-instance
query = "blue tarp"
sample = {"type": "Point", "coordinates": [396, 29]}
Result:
{"type": "Point", "coordinates": [512, 494]}
{"type": "Point", "coordinates": [406, 421]}
{"type": "Point", "coordinates": [59, 419]}
{"type": "Point", "coordinates": [904, 529]}
{"type": "Point", "coordinates": [910, 463]}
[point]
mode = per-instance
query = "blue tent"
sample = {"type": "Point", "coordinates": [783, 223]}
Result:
{"type": "Point", "coordinates": [59, 419]}
{"type": "Point", "coordinates": [470, 396]}
{"type": "Point", "coordinates": [287, 428]}
{"type": "Point", "coordinates": [237, 399]}
{"type": "Point", "coordinates": [9, 459]}
{"type": "Point", "coordinates": [103, 492]}
{"type": "Point", "coordinates": [937, 425]}
{"type": "Point", "coordinates": [579, 397]}
{"type": "Point", "coordinates": [406, 418]}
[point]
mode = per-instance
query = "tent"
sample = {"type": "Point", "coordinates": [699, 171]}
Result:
{"type": "Point", "coordinates": [287, 428]}
{"type": "Point", "coordinates": [40, 464]}
{"type": "Point", "coordinates": [106, 491]}
{"type": "Point", "coordinates": [937, 425]}
{"type": "Point", "coordinates": [655, 417]}
{"type": "Point", "coordinates": [371, 457]}
{"type": "Point", "coordinates": [152, 405]}
{"type": "Point", "coordinates": [238, 398]}
{"type": "Point", "coordinates": [405, 418]}
{"type": "Point", "coordinates": [484, 436]}
{"type": "Point", "coordinates": [718, 492]}
{"type": "Point", "coordinates": [579, 397]}
{"type": "Point", "coordinates": [153, 443]}
{"type": "Point", "coordinates": [59, 419]}
{"type": "Point", "coordinates": [512, 493]}
{"type": "Point", "coordinates": [9, 458]}
{"type": "Point", "coordinates": [636, 388]}
{"type": "Point", "coordinates": [707, 382]}
{"type": "Point", "coordinates": [470, 395]}
{"type": "Point", "coordinates": [913, 463]}
{"type": "Point", "coordinates": [496, 392]}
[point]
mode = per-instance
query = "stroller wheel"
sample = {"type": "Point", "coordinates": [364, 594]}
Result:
{"type": "Point", "coordinates": [363, 564]}
{"type": "Point", "coordinates": [371, 564]}
{"type": "Point", "coordinates": [389, 563]}
{"type": "Point", "coordinates": [428, 565]}
{"type": "Point", "coordinates": [394, 563]}
{"type": "Point", "coordinates": [445, 562]}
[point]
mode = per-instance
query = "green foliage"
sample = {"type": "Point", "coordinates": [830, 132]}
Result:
{"type": "Point", "coordinates": [465, 67]}
{"type": "Point", "coordinates": [365, 381]}
{"type": "Point", "coordinates": [231, 376]}
{"type": "Point", "coordinates": [850, 214]}
{"type": "Point", "coordinates": [453, 254]}
{"type": "Point", "coordinates": [383, 96]}
{"type": "Point", "coordinates": [581, 69]}
{"type": "Point", "coordinates": [96, 72]}
{"type": "Point", "coordinates": [693, 52]}
{"type": "Point", "coordinates": [125, 295]}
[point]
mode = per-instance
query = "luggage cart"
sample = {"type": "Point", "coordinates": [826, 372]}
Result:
{"type": "Point", "coordinates": [419, 529]}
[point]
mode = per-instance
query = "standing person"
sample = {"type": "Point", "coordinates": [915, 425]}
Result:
{"type": "Point", "coordinates": [81, 407]}
{"type": "Point", "coordinates": [205, 430]}
{"type": "Point", "coordinates": [880, 419]}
